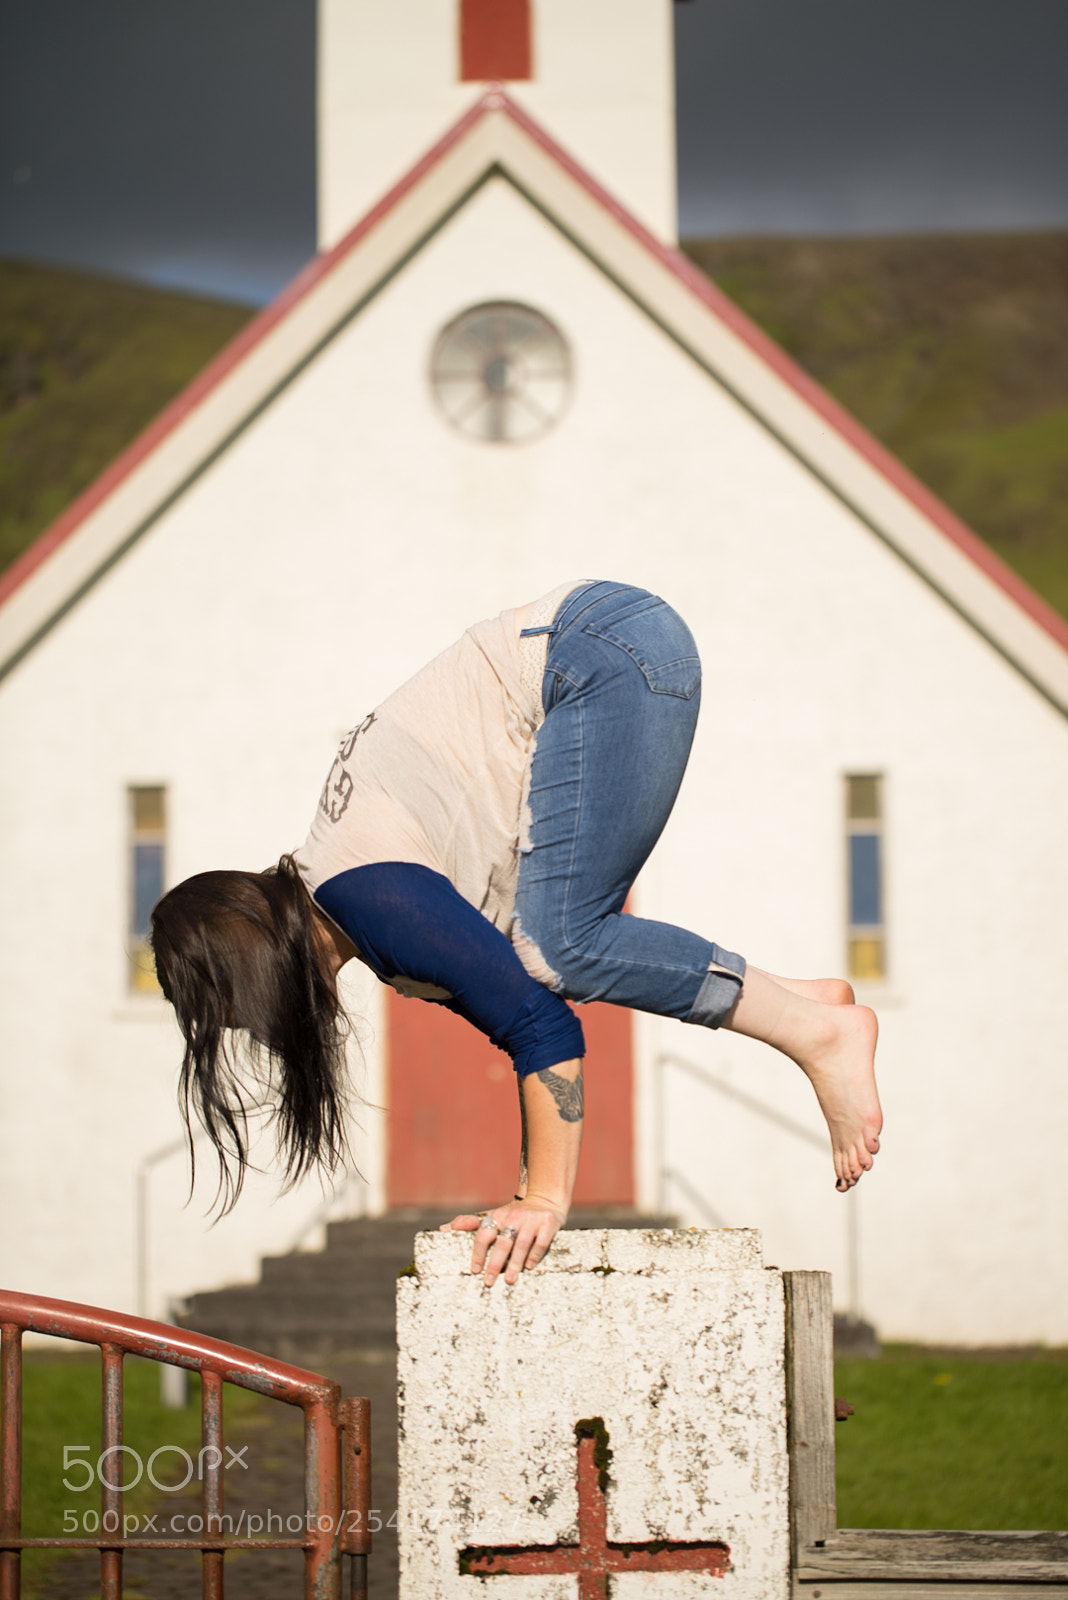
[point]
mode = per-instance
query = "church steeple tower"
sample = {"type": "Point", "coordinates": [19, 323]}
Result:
{"type": "Point", "coordinates": [395, 74]}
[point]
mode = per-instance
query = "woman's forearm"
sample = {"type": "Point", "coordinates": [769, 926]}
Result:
{"type": "Point", "coordinates": [518, 1234]}
{"type": "Point", "coordinates": [551, 1103]}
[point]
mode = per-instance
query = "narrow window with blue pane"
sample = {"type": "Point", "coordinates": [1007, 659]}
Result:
{"type": "Point", "coordinates": [866, 908]}
{"type": "Point", "coordinates": [147, 863]}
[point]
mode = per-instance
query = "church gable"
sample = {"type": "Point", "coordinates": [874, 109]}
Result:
{"type": "Point", "coordinates": [498, 139]}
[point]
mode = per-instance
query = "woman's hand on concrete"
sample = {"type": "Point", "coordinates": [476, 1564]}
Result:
{"type": "Point", "coordinates": [536, 1222]}
{"type": "Point", "coordinates": [518, 1235]}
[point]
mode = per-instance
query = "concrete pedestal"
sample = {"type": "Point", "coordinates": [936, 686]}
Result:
{"type": "Point", "coordinates": [613, 1424]}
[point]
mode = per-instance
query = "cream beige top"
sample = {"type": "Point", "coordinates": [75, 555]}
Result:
{"type": "Point", "coordinates": [437, 774]}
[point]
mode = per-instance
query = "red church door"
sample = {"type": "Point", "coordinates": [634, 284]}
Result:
{"type": "Point", "coordinates": [453, 1110]}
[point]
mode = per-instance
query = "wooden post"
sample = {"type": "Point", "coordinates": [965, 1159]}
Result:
{"type": "Point", "coordinates": [810, 1408]}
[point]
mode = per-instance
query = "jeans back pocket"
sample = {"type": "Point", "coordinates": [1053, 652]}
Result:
{"type": "Point", "coordinates": [659, 642]}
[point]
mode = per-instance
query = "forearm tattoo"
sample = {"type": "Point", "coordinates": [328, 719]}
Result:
{"type": "Point", "coordinates": [568, 1096]}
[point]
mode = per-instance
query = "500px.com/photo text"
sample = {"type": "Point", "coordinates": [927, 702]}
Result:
{"type": "Point", "coordinates": [121, 1468]}
{"type": "Point", "coordinates": [246, 1524]}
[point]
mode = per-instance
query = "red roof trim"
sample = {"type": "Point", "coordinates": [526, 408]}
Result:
{"type": "Point", "coordinates": [807, 387]}
{"type": "Point", "coordinates": [882, 459]}
{"type": "Point", "coordinates": [814, 395]}
{"type": "Point", "coordinates": [221, 365]}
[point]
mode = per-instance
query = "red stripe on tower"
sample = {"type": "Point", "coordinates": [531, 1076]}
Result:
{"type": "Point", "coordinates": [495, 40]}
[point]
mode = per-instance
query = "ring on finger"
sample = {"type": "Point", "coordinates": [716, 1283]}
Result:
{"type": "Point", "coordinates": [489, 1222]}
{"type": "Point", "coordinates": [509, 1233]}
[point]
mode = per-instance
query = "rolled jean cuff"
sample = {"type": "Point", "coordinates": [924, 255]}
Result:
{"type": "Point", "coordinates": [719, 992]}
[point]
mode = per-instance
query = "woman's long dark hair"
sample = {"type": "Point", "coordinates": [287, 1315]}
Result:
{"type": "Point", "coordinates": [238, 951]}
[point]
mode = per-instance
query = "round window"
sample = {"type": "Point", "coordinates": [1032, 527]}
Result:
{"type": "Point", "coordinates": [501, 372]}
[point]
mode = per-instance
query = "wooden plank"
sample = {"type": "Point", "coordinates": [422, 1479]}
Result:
{"type": "Point", "coordinates": [892, 1554]}
{"type": "Point", "coordinates": [810, 1407]}
{"type": "Point", "coordinates": [822, 1590]}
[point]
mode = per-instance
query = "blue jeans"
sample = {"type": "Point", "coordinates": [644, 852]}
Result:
{"type": "Point", "coordinates": [621, 692]}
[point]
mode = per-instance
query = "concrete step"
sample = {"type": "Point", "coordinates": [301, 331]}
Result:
{"type": "Point", "coordinates": [342, 1297]}
{"type": "Point", "coordinates": [317, 1299]}
{"type": "Point", "coordinates": [365, 1247]}
{"type": "Point", "coordinates": [396, 1227]}
{"type": "Point", "coordinates": [356, 1267]}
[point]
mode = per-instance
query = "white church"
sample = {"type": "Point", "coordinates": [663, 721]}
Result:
{"type": "Point", "coordinates": [499, 374]}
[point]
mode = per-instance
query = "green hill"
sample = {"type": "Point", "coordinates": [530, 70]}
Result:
{"type": "Point", "coordinates": [953, 351]}
{"type": "Point", "coordinates": [85, 364]}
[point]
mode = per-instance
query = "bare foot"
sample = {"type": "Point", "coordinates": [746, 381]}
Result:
{"type": "Point", "coordinates": [834, 1045]}
{"type": "Point", "coordinates": [828, 991]}
{"type": "Point", "coordinates": [841, 1069]}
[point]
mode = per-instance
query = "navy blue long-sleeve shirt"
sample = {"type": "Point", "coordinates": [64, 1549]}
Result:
{"type": "Point", "coordinates": [409, 922]}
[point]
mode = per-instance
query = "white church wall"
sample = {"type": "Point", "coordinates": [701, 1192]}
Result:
{"type": "Point", "coordinates": [347, 535]}
{"type": "Point", "coordinates": [89, 1070]}
{"type": "Point", "coordinates": [975, 763]}
{"type": "Point", "coordinates": [389, 86]}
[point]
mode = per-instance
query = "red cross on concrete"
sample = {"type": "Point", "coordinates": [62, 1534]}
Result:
{"type": "Point", "coordinates": [594, 1559]}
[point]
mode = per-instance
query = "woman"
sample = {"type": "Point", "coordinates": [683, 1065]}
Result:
{"type": "Point", "coordinates": [474, 844]}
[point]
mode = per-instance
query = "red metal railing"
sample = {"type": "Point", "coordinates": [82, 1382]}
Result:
{"type": "Point", "coordinates": [337, 1457]}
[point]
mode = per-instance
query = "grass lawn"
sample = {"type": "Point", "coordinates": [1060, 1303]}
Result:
{"type": "Point", "coordinates": [954, 1440]}
{"type": "Point", "coordinates": [61, 1410]}
{"type": "Point", "coordinates": [938, 1440]}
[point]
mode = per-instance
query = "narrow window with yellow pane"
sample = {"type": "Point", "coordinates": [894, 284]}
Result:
{"type": "Point", "coordinates": [866, 907]}
{"type": "Point", "coordinates": [147, 813]}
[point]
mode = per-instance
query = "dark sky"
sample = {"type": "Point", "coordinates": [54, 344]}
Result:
{"type": "Point", "coordinates": [174, 139]}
